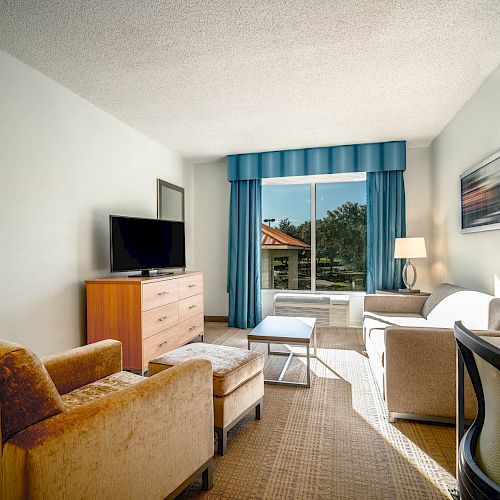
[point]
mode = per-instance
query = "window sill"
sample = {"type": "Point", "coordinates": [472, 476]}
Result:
{"type": "Point", "coordinates": [355, 293]}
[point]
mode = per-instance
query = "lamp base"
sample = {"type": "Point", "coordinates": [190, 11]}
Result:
{"type": "Point", "coordinates": [406, 280]}
{"type": "Point", "coordinates": [407, 290]}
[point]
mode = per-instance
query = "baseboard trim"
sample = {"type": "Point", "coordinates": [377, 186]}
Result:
{"type": "Point", "coordinates": [216, 319]}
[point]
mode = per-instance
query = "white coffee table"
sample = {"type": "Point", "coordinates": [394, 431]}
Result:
{"type": "Point", "coordinates": [290, 331]}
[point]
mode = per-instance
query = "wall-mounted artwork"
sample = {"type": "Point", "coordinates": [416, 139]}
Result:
{"type": "Point", "coordinates": [480, 196]}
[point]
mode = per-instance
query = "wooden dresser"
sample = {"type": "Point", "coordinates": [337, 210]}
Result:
{"type": "Point", "coordinates": [150, 316]}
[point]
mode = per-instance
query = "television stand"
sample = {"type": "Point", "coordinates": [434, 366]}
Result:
{"type": "Point", "coordinates": [150, 273]}
{"type": "Point", "coordinates": [150, 316]}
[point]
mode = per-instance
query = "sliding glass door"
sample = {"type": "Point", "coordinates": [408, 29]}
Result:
{"type": "Point", "coordinates": [314, 234]}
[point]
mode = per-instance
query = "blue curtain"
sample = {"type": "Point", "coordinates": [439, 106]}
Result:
{"type": "Point", "coordinates": [243, 273]}
{"type": "Point", "coordinates": [386, 221]}
{"type": "Point", "coordinates": [373, 157]}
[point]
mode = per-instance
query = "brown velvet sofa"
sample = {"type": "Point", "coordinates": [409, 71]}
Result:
{"type": "Point", "coordinates": [77, 426]}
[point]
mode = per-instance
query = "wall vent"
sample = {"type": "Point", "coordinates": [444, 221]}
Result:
{"type": "Point", "coordinates": [329, 310]}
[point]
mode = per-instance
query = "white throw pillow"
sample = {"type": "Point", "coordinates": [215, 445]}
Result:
{"type": "Point", "coordinates": [472, 308]}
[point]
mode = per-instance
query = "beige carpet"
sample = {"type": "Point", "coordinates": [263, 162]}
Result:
{"type": "Point", "coordinates": [332, 441]}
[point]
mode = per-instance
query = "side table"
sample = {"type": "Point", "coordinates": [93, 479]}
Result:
{"type": "Point", "coordinates": [397, 292]}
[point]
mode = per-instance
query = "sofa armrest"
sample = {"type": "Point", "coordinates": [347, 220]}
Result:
{"type": "Point", "coordinates": [394, 303]}
{"type": "Point", "coordinates": [487, 333]}
{"type": "Point", "coordinates": [420, 372]}
{"type": "Point", "coordinates": [78, 367]}
{"type": "Point", "coordinates": [148, 437]}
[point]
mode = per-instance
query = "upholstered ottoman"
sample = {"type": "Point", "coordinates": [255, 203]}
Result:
{"type": "Point", "coordinates": [237, 377]}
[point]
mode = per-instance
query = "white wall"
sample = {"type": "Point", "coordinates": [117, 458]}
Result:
{"type": "Point", "coordinates": [470, 260]}
{"type": "Point", "coordinates": [65, 166]}
{"type": "Point", "coordinates": [212, 191]}
{"type": "Point", "coordinates": [418, 208]}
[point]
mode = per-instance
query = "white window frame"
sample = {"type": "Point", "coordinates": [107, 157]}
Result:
{"type": "Point", "coordinates": [313, 180]}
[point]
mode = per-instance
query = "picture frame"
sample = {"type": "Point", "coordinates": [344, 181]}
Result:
{"type": "Point", "coordinates": [480, 196]}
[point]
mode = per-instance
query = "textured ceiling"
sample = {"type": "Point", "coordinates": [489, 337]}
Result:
{"type": "Point", "coordinates": [208, 78]}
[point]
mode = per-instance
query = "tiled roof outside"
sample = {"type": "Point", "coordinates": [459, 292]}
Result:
{"type": "Point", "coordinates": [274, 237]}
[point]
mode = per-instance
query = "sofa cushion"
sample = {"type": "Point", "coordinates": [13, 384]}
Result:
{"type": "Point", "coordinates": [440, 293]}
{"type": "Point", "coordinates": [231, 366]}
{"type": "Point", "coordinates": [377, 339]}
{"type": "Point", "coordinates": [381, 320]}
{"type": "Point", "coordinates": [99, 389]}
{"type": "Point", "coordinates": [27, 393]}
{"type": "Point", "coordinates": [472, 308]}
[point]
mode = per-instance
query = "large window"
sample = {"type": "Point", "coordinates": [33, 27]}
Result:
{"type": "Point", "coordinates": [314, 234]}
{"type": "Point", "coordinates": [286, 237]}
{"type": "Point", "coordinates": [341, 236]}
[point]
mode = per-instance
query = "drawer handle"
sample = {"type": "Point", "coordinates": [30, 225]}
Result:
{"type": "Point", "coordinates": [191, 286]}
{"type": "Point", "coordinates": [163, 293]}
{"type": "Point", "coordinates": [163, 344]}
{"type": "Point", "coordinates": [192, 307]}
{"type": "Point", "coordinates": [193, 327]}
{"type": "Point", "coordinates": [163, 318]}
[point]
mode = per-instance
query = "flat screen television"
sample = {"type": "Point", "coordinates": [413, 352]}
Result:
{"type": "Point", "coordinates": [146, 245]}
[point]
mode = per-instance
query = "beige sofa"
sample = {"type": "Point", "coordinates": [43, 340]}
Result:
{"type": "Point", "coordinates": [411, 348]}
{"type": "Point", "coordinates": [77, 426]}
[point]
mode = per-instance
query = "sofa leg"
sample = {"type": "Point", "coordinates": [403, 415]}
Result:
{"type": "Point", "coordinates": [221, 440]}
{"type": "Point", "coordinates": [258, 410]}
{"type": "Point", "coordinates": [207, 477]}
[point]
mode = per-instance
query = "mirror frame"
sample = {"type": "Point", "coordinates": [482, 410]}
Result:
{"type": "Point", "coordinates": [163, 184]}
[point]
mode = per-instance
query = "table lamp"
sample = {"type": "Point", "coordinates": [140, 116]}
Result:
{"type": "Point", "coordinates": [409, 248]}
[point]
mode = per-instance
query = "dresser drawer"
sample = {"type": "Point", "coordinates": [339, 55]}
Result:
{"type": "Point", "coordinates": [190, 328]}
{"type": "Point", "coordinates": [190, 307]}
{"type": "Point", "coordinates": [190, 285]}
{"type": "Point", "coordinates": [158, 319]}
{"type": "Point", "coordinates": [159, 344]}
{"type": "Point", "coordinates": [159, 294]}
{"type": "Point", "coordinates": [172, 338]}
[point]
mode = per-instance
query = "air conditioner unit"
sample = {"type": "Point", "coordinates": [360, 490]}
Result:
{"type": "Point", "coordinates": [329, 310]}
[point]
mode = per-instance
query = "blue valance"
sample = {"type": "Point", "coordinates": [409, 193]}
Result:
{"type": "Point", "coordinates": [374, 157]}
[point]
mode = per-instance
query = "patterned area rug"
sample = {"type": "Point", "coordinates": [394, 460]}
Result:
{"type": "Point", "coordinates": [331, 441]}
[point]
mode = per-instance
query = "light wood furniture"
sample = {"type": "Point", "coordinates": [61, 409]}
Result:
{"type": "Point", "coordinates": [150, 316]}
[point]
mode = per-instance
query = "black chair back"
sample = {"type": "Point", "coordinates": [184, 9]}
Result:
{"type": "Point", "coordinates": [472, 480]}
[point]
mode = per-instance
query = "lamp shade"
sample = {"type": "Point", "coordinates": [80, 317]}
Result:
{"type": "Point", "coordinates": [409, 248]}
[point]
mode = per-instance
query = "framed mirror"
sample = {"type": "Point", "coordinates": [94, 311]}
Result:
{"type": "Point", "coordinates": [170, 201]}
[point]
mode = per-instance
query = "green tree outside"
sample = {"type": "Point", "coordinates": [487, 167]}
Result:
{"type": "Point", "coordinates": [340, 247]}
